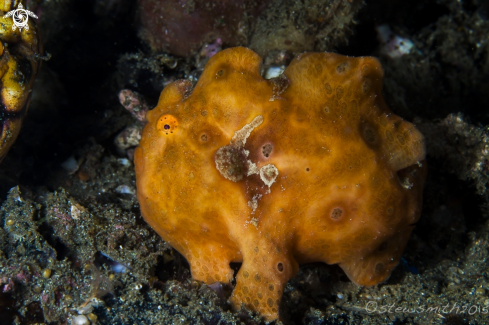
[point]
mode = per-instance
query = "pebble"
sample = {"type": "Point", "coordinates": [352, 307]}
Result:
{"type": "Point", "coordinates": [46, 273]}
{"type": "Point", "coordinates": [125, 189]}
{"type": "Point", "coordinates": [124, 162]}
{"type": "Point", "coordinates": [92, 317]}
{"type": "Point", "coordinates": [274, 72]}
{"type": "Point", "coordinates": [80, 320]}
{"type": "Point", "coordinates": [70, 165]}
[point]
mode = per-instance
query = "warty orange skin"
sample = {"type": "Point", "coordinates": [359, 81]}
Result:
{"type": "Point", "coordinates": [310, 166]}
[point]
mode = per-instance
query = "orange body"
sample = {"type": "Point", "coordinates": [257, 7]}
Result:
{"type": "Point", "coordinates": [310, 166]}
{"type": "Point", "coordinates": [19, 62]}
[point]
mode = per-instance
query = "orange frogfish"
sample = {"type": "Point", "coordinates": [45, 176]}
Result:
{"type": "Point", "coordinates": [309, 166]}
{"type": "Point", "coordinates": [20, 57]}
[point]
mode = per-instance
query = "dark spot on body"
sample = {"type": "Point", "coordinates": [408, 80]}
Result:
{"type": "Point", "coordinates": [328, 88]}
{"type": "Point", "coordinates": [258, 278]}
{"type": "Point", "coordinates": [280, 267]}
{"type": "Point", "coordinates": [266, 150]}
{"type": "Point", "coordinates": [370, 134]}
{"type": "Point", "coordinates": [342, 67]}
{"type": "Point", "coordinates": [367, 85]}
{"type": "Point", "coordinates": [379, 268]}
{"type": "Point", "coordinates": [336, 213]}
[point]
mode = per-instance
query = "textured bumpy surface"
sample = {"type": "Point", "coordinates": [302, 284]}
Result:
{"type": "Point", "coordinates": [310, 166]}
{"type": "Point", "coordinates": [19, 63]}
